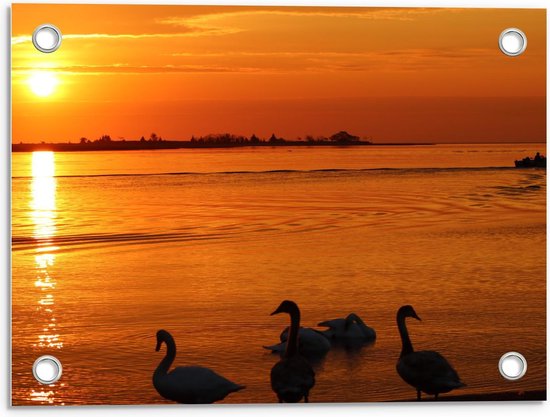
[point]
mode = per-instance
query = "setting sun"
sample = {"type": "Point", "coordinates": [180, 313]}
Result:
{"type": "Point", "coordinates": [43, 83]}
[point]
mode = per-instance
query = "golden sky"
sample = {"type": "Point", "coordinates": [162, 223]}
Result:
{"type": "Point", "coordinates": [401, 75]}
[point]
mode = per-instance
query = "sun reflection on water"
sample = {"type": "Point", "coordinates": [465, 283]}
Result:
{"type": "Point", "coordinates": [43, 194]}
{"type": "Point", "coordinates": [43, 213]}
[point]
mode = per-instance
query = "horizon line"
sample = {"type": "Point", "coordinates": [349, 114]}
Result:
{"type": "Point", "coordinates": [299, 140]}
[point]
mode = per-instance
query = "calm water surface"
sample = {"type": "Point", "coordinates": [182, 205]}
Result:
{"type": "Point", "coordinates": [109, 247]}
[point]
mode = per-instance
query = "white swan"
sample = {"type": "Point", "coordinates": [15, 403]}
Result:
{"type": "Point", "coordinates": [310, 342]}
{"type": "Point", "coordinates": [426, 370]}
{"type": "Point", "coordinates": [188, 384]}
{"type": "Point", "coordinates": [292, 377]}
{"type": "Point", "coordinates": [349, 330]}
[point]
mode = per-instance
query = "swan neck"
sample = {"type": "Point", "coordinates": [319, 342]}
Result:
{"type": "Point", "coordinates": [407, 346]}
{"type": "Point", "coordinates": [168, 359]}
{"type": "Point", "coordinates": [292, 342]}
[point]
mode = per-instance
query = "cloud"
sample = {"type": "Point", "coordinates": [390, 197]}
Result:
{"type": "Point", "coordinates": [200, 20]}
{"type": "Point", "coordinates": [16, 40]}
{"type": "Point", "coordinates": [401, 60]}
{"type": "Point", "coordinates": [426, 52]}
{"type": "Point", "coordinates": [293, 62]}
{"type": "Point", "coordinates": [211, 24]}
{"type": "Point", "coordinates": [339, 61]}
{"type": "Point", "coordinates": [289, 54]}
{"type": "Point", "coordinates": [224, 22]}
{"type": "Point", "coordinates": [129, 69]}
{"type": "Point", "coordinates": [193, 32]}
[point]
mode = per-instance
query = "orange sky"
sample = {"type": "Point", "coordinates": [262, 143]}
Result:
{"type": "Point", "coordinates": [423, 75]}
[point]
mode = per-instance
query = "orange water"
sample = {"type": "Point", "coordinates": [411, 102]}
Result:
{"type": "Point", "coordinates": [103, 259]}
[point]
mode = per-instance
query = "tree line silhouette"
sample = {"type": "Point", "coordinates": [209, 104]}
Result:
{"type": "Point", "coordinates": [223, 140]}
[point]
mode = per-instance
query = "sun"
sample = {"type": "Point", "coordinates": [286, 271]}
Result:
{"type": "Point", "coordinates": [43, 83]}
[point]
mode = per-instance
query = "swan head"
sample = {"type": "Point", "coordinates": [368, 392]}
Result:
{"type": "Point", "coordinates": [408, 311]}
{"type": "Point", "coordinates": [350, 319]}
{"type": "Point", "coordinates": [162, 336]}
{"type": "Point", "coordinates": [286, 306]}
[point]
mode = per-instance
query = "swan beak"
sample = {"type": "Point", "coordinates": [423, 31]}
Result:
{"type": "Point", "coordinates": [416, 317]}
{"type": "Point", "coordinates": [276, 311]}
{"type": "Point", "coordinates": [158, 346]}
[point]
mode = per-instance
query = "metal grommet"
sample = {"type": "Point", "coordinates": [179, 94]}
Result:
{"type": "Point", "coordinates": [512, 42]}
{"type": "Point", "coordinates": [512, 366]}
{"type": "Point", "coordinates": [47, 369]}
{"type": "Point", "coordinates": [46, 38]}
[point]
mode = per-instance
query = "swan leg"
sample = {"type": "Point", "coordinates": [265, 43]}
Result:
{"type": "Point", "coordinates": [306, 398]}
{"type": "Point", "coordinates": [418, 395]}
{"type": "Point", "coordinates": [436, 395]}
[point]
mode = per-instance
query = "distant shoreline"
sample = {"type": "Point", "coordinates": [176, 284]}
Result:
{"type": "Point", "coordinates": [166, 144]}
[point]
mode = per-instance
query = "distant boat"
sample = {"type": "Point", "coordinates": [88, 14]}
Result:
{"type": "Point", "coordinates": [539, 161]}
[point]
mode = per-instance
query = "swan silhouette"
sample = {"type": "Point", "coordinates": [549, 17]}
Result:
{"type": "Point", "coordinates": [425, 370]}
{"type": "Point", "coordinates": [311, 343]}
{"type": "Point", "coordinates": [188, 384]}
{"type": "Point", "coordinates": [292, 377]}
{"type": "Point", "coordinates": [348, 330]}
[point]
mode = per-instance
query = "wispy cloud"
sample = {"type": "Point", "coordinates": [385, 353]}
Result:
{"type": "Point", "coordinates": [194, 32]}
{"type": "Point", "coordinates": [333, 61]}
{"type": "Point", "coordinates": [130, 69]}
{"type": "Point", "coordinates": [201, 20]}
{"type": "Point", "coordinates": [400, 60]}
{"type": "Point", "coordinates": [217, 23]}
{"type": "Point", "coordinates": [275, 54]}
{"type": "Point", "coordinates": [418, 52]}
{"type": "Point", "coordinates": [16, 40]}
{"type": "Point", "coordinates": [291, 62]}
